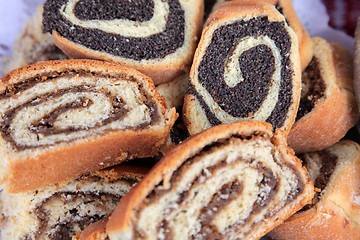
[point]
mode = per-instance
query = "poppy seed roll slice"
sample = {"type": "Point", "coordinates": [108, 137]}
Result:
{"type": "Point", "coordinates": [155, 37]}
{"type": "Point", "coordinates": [245, 67]}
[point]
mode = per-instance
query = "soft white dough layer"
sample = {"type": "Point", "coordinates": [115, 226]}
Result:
{"type": "Point", "coordinates": [96, 108]}
{"type": "Point", "coordinates": [241, 166]}
{"type": "Point", "coordinates": [19, 209]}
{"type": "Point", "coordinates": [123, 27]}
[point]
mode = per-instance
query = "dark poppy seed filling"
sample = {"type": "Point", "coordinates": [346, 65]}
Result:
{"type": "Point", "coordinates": [313, 88]}
{"type": "Point", "coordinates": [135, 10]}
{"type": "Point", "coordinates": [258, 77]}
{"type": "Point", "coordinates": [153, 46]}
{"type": "Point", "coordinates": [226, 188]}
{"type": "Point", "coordinates": [81, 97]}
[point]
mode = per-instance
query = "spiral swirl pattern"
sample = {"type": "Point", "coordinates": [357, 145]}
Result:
{"type": "Point", "coordinates": [46, 111]}
{"type": "Point", "coordinates": [220, 193]}
{"type": "Point", "coordinates": [60, 211]}
{"type": "Point", "coordinates": [245, 70]}
{"type": "Point", "coordinates": [137, 30]}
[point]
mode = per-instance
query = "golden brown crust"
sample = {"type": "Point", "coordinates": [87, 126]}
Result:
{"type": "Point", "coordinates": [95, 231]}
{"type": "Point", "coordinates": [120, 220]}
{"type": "Point", "coordinates": [304, 40]}
{"type": "Point", "coordinates": [159, 73]}
{"type": "Point", "coordinates": [68, 161]}
{"type": "Point", "coordinates": [134, 169]}
{"type": "Point", "coordinates": [242, 7]}
{"type": "Point", "coordinates": [336, 215]}
{"type": "Point", "coordinates": [326, 222]}
{"type": "Point", "coordinates": [333, 115]}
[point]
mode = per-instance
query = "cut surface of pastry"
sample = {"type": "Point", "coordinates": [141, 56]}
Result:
{"type": "Point", "coordinates": [59, 211]}
{"type": "Point", "coordinates": [232, 181]}
{"type": "Point", "coordinates": [60, 119]}
{"type": "Point", "coordinates": [32, 45]}
{"type": "Point", "coordinates": [155, 37]}
{"type": "Point", "coordinates": [328, 107]}
{"type": "Point", "coordinates": [335, 210]}
{"type": "Point", "coordinates": [286, 8]}
{"type": "Point", "coordinates": [246, 67]}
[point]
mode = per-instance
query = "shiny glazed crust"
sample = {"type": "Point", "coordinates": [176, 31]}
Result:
{"type": "Point", "coordinates": [66, 161]}
{"type": "Point", "coordinates": [335, 113]}
{"type": "Point", "coordinates": [120, 224]}
{"type": "Point", "coordinates": [159, 71]}
{"type": "Point", "coordinates": [336, 215]}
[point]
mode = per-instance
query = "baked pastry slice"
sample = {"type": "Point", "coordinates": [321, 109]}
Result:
{"type": "Point", "coordinates": [232, 181]}
{"type": "Point", "coordinates": [156, 37]}
{"type": "Point", "coordinates": [245, 67]}
{"type": "Point", "coordinates": [59, 211]}
{"type": "Point", "coordinates": [60, 119]}
{"type": "Point", "coordinates": [32, 45]}
{"type": "Point", "coordinates": [328, 107]}
{"type": "Point", "coordinates": [335, 211]}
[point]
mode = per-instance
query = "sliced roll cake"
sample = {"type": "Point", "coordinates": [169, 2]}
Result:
{"type": "Point", "coordinates": [60, 119]}
{"type": "Point", "coordinates": [232, 181]}
{"type": "Point", "coordinates": [59, 211]}
{"type": "Point", "coordinates": [245, 67]}
{"type": "Point", "coordinates": [335, 210]}
{"type": "Point", "coordinates": [32, 45]}
{"type": "Point", "coordinates": [328, 107]}
{"type": "Point", "coordinates": [156, 37]}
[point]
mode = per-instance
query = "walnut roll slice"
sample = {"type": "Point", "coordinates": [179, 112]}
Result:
{"type": "Point", "coordinates": [60, 119]}
{"type": "Point", "coordinates": [328, 107]}
{"type": "Point", "coordinates": [232, 181]}
{"type": "Point", "coordinates": [335, 210]}
{"type": "Point", "coordinates": [59, 211]}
